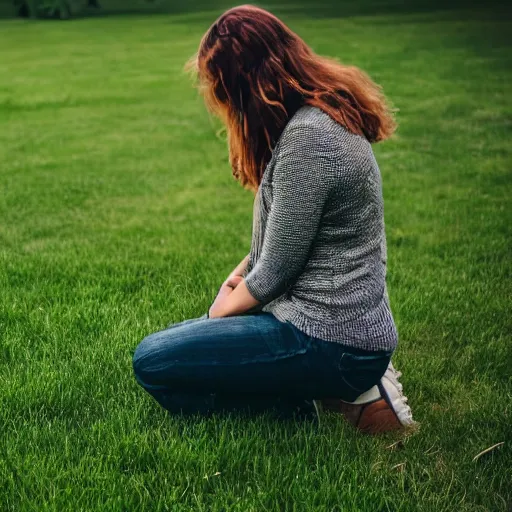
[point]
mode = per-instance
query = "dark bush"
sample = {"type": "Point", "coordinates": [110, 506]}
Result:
{"type": "Point", "coordinates": [60, 9]}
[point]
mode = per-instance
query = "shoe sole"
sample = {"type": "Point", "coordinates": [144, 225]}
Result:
{"type": "Point", "coordinates": [410, 427]}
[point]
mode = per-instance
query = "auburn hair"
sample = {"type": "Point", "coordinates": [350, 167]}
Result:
{"type": "Point", "coordinates": [255, 73]}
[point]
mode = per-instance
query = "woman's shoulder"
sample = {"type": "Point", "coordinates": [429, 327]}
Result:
{"type": "Point", "coordinates": [313, 122]}
{"type": "Point", "coordinates": [312, 129]}
{"type": "Point", "coordinates": [312, 135]}
{"type": "Point", "coordinates": [310, 116]}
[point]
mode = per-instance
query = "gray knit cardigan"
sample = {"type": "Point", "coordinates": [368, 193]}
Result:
{"type": "Point", "coordinates": [318, 250]}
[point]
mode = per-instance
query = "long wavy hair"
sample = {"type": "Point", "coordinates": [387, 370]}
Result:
{"type": "Point", "coordinates": [255, 73]}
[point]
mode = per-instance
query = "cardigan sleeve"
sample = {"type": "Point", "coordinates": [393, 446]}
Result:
{"type": "Point", "coordinates": [300, 189]}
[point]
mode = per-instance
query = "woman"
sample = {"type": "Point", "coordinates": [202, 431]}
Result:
{"type": "Point", "coordinates": [304, 319]}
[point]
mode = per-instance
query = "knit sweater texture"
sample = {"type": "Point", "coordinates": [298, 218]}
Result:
{"type": "Point", "coordinates": [318, 249]}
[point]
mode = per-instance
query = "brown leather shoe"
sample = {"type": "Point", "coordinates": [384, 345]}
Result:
{"type": "Point", "coordinates": [381, 409]}
{"type": "Point", "coordinates": [371, 418]}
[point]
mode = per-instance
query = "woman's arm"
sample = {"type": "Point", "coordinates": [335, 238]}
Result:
{"type": "Point", "coordinates": [301, 183]}
{"type": "Point", "coordinates": [239, 269]}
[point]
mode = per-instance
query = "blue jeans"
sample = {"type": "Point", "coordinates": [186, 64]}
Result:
{"type": "Point", "coordinates": [251, 362]}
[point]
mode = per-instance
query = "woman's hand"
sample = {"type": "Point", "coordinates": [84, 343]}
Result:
{"type": "Point", "coordinates": [233, 282]}
{"type": "Point", "coordinates": [225, 290]}
{"type": "Point", "coordinates": [233, 301]}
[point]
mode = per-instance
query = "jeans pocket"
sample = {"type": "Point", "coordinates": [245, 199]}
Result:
{"type": "Point", "coordinates": [361, 372]}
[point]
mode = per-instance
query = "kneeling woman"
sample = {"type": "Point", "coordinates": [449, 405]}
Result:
{"type": "Point", "coordinates": [304, 319]}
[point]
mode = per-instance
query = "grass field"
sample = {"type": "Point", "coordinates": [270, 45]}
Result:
{"type": "Point", "coordinates": [118, 215]}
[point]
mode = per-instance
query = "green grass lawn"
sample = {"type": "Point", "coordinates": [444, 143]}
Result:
{"type": "Point", "coordinates": [119, 215]}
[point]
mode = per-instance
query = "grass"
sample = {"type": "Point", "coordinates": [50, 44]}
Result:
{"type": "Point", "coordinates": [119, 215]}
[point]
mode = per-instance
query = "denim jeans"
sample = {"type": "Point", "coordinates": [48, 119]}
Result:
{"type": "Point", "coordinates": [251, 362]}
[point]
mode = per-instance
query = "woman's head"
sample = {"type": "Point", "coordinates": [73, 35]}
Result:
{"type": "Point", "coordinates": [255, 73]}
